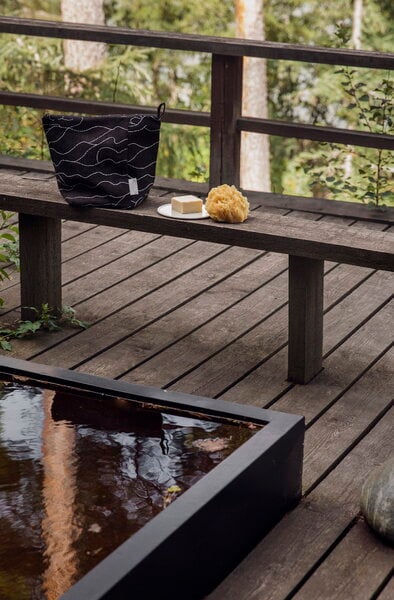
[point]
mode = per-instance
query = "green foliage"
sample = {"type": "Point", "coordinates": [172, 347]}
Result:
{"type": "Point", "coordinates": [361, 174]}
{"type": "Point", "coordinates": [9, 247]}
{"type": "Point", "coordinates": [297, 91]}
{"type": "Point", "coordinates": [46, 320]}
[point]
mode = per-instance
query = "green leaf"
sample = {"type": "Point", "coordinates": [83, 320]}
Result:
{"type": "Point", "coordinates": [364, 98]}
{"type": "Point", "coordinates": [26, 327]}
{"type": "Point", "coordinates": [5, 345]}
{"type": "Point", "coordinates": [5, 332]}
{"type": "Point", "coordinates": [8, 236]}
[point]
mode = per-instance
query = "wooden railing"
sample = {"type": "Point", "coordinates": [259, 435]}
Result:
{"type": "Point", "coordinates": [225, 119]}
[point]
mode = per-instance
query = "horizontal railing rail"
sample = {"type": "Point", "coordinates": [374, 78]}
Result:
{"type": "Point", "coordinates": [203, 119]}
{"type": "Point", "coordinates": [225, 119]}
{"type": "Point", "coordinates": [197, 43]}
{"type": "Point", "coordinates": [96, 107]}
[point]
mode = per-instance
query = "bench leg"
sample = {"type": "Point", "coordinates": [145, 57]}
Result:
{"type": "Point", "coordinates": [40, 258]}
{"type": "Point", "coordinates": [305, 318]}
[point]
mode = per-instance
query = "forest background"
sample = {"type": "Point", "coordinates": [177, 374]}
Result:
{"type": "Point", "coordinates": [301, 92]}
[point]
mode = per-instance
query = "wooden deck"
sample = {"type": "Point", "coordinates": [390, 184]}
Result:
{"type": "Point", "coordinates": [211, 319]}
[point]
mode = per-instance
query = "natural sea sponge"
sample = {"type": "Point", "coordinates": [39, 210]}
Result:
{"type": "Point", "coordinates": [225, 203]}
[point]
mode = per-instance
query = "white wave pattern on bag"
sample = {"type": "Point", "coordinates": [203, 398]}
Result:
{"type": "Point", "coordinates": [95, 157]}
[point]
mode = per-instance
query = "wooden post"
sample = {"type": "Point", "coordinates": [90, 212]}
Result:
{"type": "Point", "coordinates": [226, 107]}
{"type": "Point", "coordinates": [40, 257]}
{"type": "Point", "coordinates": [305, 318]}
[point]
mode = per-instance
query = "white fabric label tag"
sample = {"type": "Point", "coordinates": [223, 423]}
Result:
{"type": "Point", "coordinates": [133, 186]}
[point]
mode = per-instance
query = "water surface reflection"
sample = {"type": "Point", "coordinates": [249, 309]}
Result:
{"type": "Point", "coordinates": [79, 475]}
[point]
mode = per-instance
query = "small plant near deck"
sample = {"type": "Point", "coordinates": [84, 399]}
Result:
{"type": "Point", "coordinates": [46, 321]}
{"type": "Point", "coordinates": [9, 246]}
{"type": "Point", "coordinates": [362, 174]}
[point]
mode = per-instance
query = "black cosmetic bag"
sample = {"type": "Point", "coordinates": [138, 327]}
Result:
{"type": "Point", "coordinates": [107, 161]}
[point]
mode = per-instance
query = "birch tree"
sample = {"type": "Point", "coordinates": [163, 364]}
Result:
{"type": "Point", "coordinates": [78, 55]}
{"type": "Point", "coordinates": [357, 22]}
{"type": "Point", "coordinates": [255, 162]}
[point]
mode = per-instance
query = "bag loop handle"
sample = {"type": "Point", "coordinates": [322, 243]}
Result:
{"type": "Point", "coordinates": [161, 109]}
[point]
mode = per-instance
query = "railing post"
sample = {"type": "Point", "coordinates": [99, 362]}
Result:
{"type": "Point", "coordinates": [226, 108]}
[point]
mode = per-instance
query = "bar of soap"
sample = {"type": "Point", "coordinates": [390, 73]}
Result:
{"type": "Point", "coordinates": [186, 204]}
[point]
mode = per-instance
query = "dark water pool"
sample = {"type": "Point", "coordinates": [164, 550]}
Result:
{"type": "Point", "coordinates": [80, 474]}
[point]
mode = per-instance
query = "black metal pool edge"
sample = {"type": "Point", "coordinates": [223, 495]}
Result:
{"type": "Point", "coordinates": [186, 550]}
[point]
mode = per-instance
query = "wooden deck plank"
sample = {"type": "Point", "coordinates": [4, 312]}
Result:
{"type": "Point", "coordinates": [387, 592]}
{"type": "Point", "coordinates": [353, 570]}
{"type": "Point", "coordinates": [177, 357]}
{"type": "Point", "coordinates": [348, 419]}
{"type": "Point", "coordinates": [69, 232]}
{"type": "Point", "coordinates": [115, 269]}
{"type": "Point", "coordinates": [228, 327]}
{"type": "Point", "coordinates": [202, 308]}
{"type": "Point", "coordinates": [272, 370]}
{"type": "Point", "coordinates": [339, 323]}
{"type": "Point", "coordinates": [293, 549]}
{"type": "Point", "coordinates": [196, 273]}
{"type": "Point", "coordinates": [211, 378]}
{"type": "Point", "coordinates": [197, 315]}
{"type": "Point", "coordinates": [96, 249]}
{"type": "Point", "coordinates": [342, 368]}
{"type": "Point", "coordinates": [98, 301]}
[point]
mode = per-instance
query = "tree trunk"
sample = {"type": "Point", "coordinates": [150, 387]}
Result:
{"type": "Point", "coordinates": [78, 55]}
{"type": "Point", "coordinates": [356, 44]}
{"type": "Point", "coordinates": [255, 160]}
{"type": "Point", "coordinates": [357, 24]}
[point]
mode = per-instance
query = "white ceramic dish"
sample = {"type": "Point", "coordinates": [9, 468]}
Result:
{"type": "Point", "coordinates": [166, 211]}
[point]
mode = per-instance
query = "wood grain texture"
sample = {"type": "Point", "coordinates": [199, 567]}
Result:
{"type": "Point", "coordinates": [228, 366]}
{"type": "Point", "coordinates": [295, 546]}
{"type": "Point", "coordinates": [168, 286]}
{"type": "Point", "coordinates": [341, 368]}
{"type": "Point", "coordinates": [351, 355]}
{"type": "Point", "coordinates": [198, 43]}
{"type": "Point", "coordinates": [388, 591]}
{"type": "Point", "coordinates": [267, 199]}
{"type": "Point", "coordinates": [203, 119]}
{"type": "Point", "coordinates": [305, 349]}
{"type": "Point", "coordinates": [226, 107]}
{"type": "Point", "coordinates": [228, 309]}
{"type": "Point", "coordinates": [354, 570]}
{"type": "Point", "coordinates": [348, 419]}
{"type": "Point", "coordinates": [40, 264]}
{"type": "Point", "coordinates": [96, 107]}
{"type": "Point", "coordinates": [262, 230]}
{"type": "Point", "coordinates": [316, 132]}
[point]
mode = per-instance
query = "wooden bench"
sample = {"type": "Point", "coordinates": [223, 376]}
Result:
{"type": "Point", "coordinates": [308, 244]}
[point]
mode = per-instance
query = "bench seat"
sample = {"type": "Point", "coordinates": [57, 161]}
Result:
{"type": "Point", "coordinates": [308, 243]}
